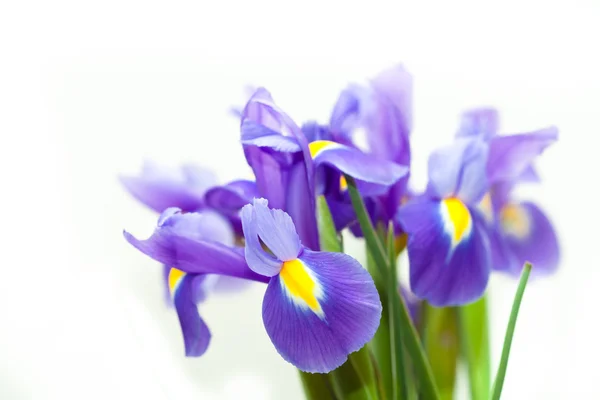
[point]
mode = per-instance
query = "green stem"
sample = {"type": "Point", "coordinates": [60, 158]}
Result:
{"type": "Point", "coordinates": [510, 330]}
{"type": "Point", "coordinates": [398, 367]}
{"type": "Point", "coordinates": [410, 335]}
{"type": "Point", "coordinates": [316, 386]}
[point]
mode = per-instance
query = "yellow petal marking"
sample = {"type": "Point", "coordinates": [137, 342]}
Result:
{"type": "Point", "coordinates": [343, 183]}
{"type": "Point", "coordinates": [175, 277]}
{"type": "Point", "coordinates": [318, 146]}
{"type": "Point", "coordinates": [300, 284]}
{"type": "Point", "coordinates": [459, 217]}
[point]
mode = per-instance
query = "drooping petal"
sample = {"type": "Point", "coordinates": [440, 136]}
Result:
{"type": "Point", "coordinates": [459, 170]}
{"type": "Point", "coordinates": [529, 236]}
{"type": "Point", "coordinates": [186, 242]}
{"type": "Point", "coordinates": [510, 156]}
{"type": "Point", "coordinates": [357, 164]}
{"type": "Point", "coordinates": [196, 335]}
{"type": "Point", "coordinates": [447, 249]}
{"type": "Point", "coordinates": [319, 309]}
{"type": "Point", "coordinates": [480, 122]}
{"type": "Point", "coordinates": [159, 187]}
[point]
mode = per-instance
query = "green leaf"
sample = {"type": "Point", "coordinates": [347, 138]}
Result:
{"type": "Point", "coordinates": [410, 336]}
{"type": "Point", "coordinates": [355, 379]}
{"type": "Point", "coordinates": [475, 346]}
{"type": "Point", "coordinates": [316, 386]}
{"type": "Point", "coordinates": [328, 236]}
{"type": "Point", "coordinates": [381, 341]}
{"type": "Point", "coordinates": [510, 330]}
{"type": "Point", "coordinates": [440, 334]}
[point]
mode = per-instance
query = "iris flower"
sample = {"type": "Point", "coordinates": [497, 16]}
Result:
{"type": "Point", "coordinates": [290, 170]}
{"type": "Point", "coordinates": [378, 119]}
{"type": "Point", "coordinates": [448, 248]}
{"type": "Point", "coordinates": [191, 188]}
{"type": "Point", "coordinates": [518, 231]}
{"type": "Point", "coordinates": [194, 245]}
{"type": "Point", "coordinates": [318, 307]}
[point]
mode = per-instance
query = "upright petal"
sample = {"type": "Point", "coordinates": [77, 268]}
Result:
{"type": "Point", "coordinates": [479, 122]}
{"type": "Point", "coordinates": [259, 135]}
{"type": "Point", "coordinates": [529, 236]}
{"type": "Point", "coordinates": [447, 249]}
{"type": "Point", "coordinates": [383, 110]}
{"type": "Point", "coordinates": [511, 156]}
{"type": "Point", "coordinates": [259, 260]}
{"type": "Point", "coordinates": [159, 187]}
{"type": "Point", "coordinates": [284, 172]}
{"type": "Point", "coordinates": [176, 242]}
{"type": "Point", "coordinates": [459, 170]}
{"type": "Point", "coordinates": [319, 309]}
{"type": "Point", "coordinates": [196, 335]}
{"type": "Point", "coordinates": [276, 230]}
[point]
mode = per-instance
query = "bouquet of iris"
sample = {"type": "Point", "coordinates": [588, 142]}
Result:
{"type": "Point", "coordinates": [357, 331]}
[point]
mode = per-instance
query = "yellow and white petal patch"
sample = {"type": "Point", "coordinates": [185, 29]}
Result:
{"type": "Point", "coordinates": [319, 146]}
{"type": "Point", "coordinates": [457, 219]}
{"type": "Point", "coordinates": [301, 286]}
{"type": "Point", "coordinates": [175, 278]}
{"type": "Point", "coordinates": [515, 221]}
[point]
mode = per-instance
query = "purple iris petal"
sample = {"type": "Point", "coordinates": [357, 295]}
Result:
{"type": "Point", "coordinates": [159, 187]}
{"type": "Point", "coordinates": [383, 110]}
{"type": "Point", "coordinates": [501, 256]}
{"type": "Point", "coordinates": [348, 313]}
{"type": "Point", "coordinates": [180, 242]}
{"type": "Point", "coordinates": [481, 122]}
{"type": "Point", "coordinates": [276, 230]}
{"type": "Point", "coordinates": [529, 236]}
{"type": "Point", "coordinates": [448, 252]}
{"type": "Point", "coordinates": [510, 156]}
{"type": "Point", "coordinates": [261, 136]}
{"type": "Point", "coordinates": [372, 171]}
{"type": "Point", "coordinates": [196, 335]}
{"type": "Point", "coordinates": [229, 199]}
{"type": "Point", "coordinates": [459, 170]}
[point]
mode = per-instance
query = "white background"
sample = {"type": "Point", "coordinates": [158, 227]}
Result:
{"type": "Point", "coordinates": [89, 89]}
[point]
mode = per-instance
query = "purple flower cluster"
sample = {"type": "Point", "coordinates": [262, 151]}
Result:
{"type": "Point", "coordinates": [320, 306]}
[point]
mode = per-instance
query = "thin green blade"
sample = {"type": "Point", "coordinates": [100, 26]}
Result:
{"type": "Point", "coordinates": [397, 348]}
{"type": "Point", "coordinates": [510, 331]}
{"type": "Point", "coordinates": [474, 334]}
